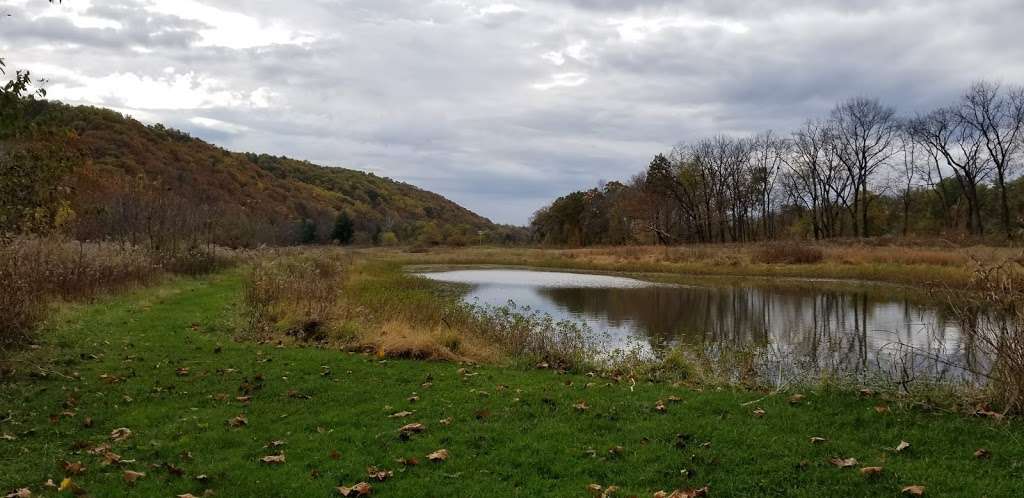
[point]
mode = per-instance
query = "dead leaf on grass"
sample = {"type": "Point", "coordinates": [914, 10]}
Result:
{"type": "Point", "coordinates": [120, 434]}
{"type": "Point", "coordinates": [361, 489]}
{"type": "Point", "coordinates": [843, 463]}
{"type": "Point", "coordinates": [870, 471]}
{"type": "Point", "coordinates": [438, 456]}
{"type": "Point", "coordinates": [273, 459]}
{"type": "Point", "coordinates": [915, 490]}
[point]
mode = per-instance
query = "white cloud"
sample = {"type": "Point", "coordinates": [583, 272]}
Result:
{"type": "Point", "coordinates": [169, 91]}
{"type": "Point", "coordinates": [562, 80]}
{"type": "Point", "coordinates": [637, 29]}
{"type": "Point", "coordinates": [230, 29]}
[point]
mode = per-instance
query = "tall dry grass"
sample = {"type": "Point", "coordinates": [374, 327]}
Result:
{"type": "Point", "coordinates": [993, 327]}
{"type": "Point", "coordinates": [35, 271]}
{"type": "Point", "coordinates": [295, 293]}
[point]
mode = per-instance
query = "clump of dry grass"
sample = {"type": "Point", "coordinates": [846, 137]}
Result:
{"type": "Point", "coordinates": [295, 292]}
{"type": "Point", "coordinates": [789, 253]}
{"type": "Point", "coordinates": [994, 328]}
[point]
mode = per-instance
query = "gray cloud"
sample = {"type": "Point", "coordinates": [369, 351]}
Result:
{"type": "Point", "coordinates": [503, 105]}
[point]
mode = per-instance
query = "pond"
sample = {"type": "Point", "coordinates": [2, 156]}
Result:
{"type": "Point", "coordinates": [815, 325]}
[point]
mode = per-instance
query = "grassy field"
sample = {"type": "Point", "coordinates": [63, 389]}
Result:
{"type": "Point", "coordinates": [931, 265]}
{"type": "Point", "coordinates": [161, 362]}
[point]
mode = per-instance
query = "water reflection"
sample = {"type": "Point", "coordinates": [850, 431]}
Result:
{"type": "Point", "coordinates": [824, 328]}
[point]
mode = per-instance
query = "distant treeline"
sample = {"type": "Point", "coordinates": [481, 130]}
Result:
{"type": "Point", "coordinates": [863, 171]}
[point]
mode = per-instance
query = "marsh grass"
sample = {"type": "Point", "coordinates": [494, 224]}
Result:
{"type": "Point", "coordinates": [36, 271]}
{"type": "Point", "coordinates": [919, 263]}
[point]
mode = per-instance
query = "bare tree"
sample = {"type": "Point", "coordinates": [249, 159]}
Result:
{"type": "Point", "coordinates": [946, 135]}
{"type": "Point", "coordinates": [906, 173]}
{"type": "Point", "coordinates": [864, 134]}
{"type": "Point", "coordinates": [998, 116]}
{"type": "Point", "coordinates": [768, 154]}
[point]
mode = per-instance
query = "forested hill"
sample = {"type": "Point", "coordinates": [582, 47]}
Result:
{"type": "Point", "coordinates": [112, 177]}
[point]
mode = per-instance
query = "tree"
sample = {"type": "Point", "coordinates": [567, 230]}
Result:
{"type": "Point", "coordinates": [998, 116]}
{"type": "Point", "coordinates": [343, 229]}
{"type": "Point", "coordinates": [947, 135]}
{"type": "Point", "coordinates": [307, 231]}
{"type": "Point", "coordinates": [864, 132]}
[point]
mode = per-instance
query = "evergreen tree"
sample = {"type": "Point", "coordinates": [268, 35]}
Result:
{"type": "Point", "coordinates": [343, 229]}
{"type": "Point", "coordinates": [307, 231]}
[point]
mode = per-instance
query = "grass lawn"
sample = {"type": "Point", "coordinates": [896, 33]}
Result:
{"type": "Point", "coordinates": [161, 363]}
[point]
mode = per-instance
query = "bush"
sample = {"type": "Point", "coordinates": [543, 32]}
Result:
{"type": "Point", "coordinates": [790, 253]}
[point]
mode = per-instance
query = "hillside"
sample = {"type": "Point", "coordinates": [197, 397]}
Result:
{"type": "Point", "coordinates": [124, 180]}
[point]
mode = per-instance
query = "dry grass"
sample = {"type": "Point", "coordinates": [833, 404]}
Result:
{"type": "Point", "coordinates": [994, 330]}
{"type": "Point", "coordinates": [788, 253]}
{"type": "Point", "coordinates": [295, 293]}
{"type": "Point", "coordinates": [938, 265]}
{"type": "Point", "coordinates": [36, 271]}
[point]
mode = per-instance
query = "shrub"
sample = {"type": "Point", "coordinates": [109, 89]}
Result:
{"type": "Point", "coordinates": [790, 253]}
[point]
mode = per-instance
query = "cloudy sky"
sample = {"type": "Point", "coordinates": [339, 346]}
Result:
{"type": "Point", "coordinates": [502, 105]}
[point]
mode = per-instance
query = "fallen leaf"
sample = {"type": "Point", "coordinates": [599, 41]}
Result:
{"type": "Point", "coordinates": [413, 427]}
{"type": "Point", "coordinates": [582, 406]}
{"type": "Point", "coordinates": [379, 474]}
{"type": "Point", "coordinates": [867, 393]}
{"type": "Point", "coordinates": [361, 489]}
{"type": "Point", "coordinates": [174, 470]}
{"type": "Point", "coordinates": [20, 493]}
{"type": "Point", "coordinates": [292, 393]}
{"type": "Point", "coordinates": [680, 493]}
{"type": "Point", "coordinates": [414, 398]}
{"type": "Point", "coordinates": [914, 490]}
{"type": "Point", "coordinates": [882, 408]}
{"type": "Point", "coordinates": [87, 422]}
{"type": "Point", "coordinates": [616, 450]}
{"type": "Point", "coordinates": [68, 485]}
{"type": "Point", "coordinates": [410, 462]}
{"type": "Point", "coordinates": [759, 413]}
{"type": "Point", "coordinates": [73, 469]}
{"type": "Point", "coordinates": [120, 434]}
{"type": "Point", "coordinates": [111, 458]}
{"type": "Point", "coordinates": [674, 399]}
{"type": "Point", "coordinates": [843, 463]}
{"type": "Point", "coordinates": [400, 415]}
{"type": "Point", "coordinates": [182, 372]}
{"type": "Point", "coordinates": [594, 489]}
{"type": "Point", "coordinates": [796, 399]}
{"type": "Point", "coordinates": [130, 476]}
{"type": "Point", "coordinates": [438, 456]}
{"type": "Point", "coordinates": [660, 407]}
{"type": "Point", "coordinates": [982, 454]}
{"type": "Point", "coordinates": [238, 421]}
{"type": "Point", "coordinates": [273, 459]}
{"type": "Point", "coordinates": [447, 421]}
{"type": "Point", "coordinates": [902, 446]}
{"type": "Point", "coordinates": [870, 471]}
{"type": "Point", "coordinates": [818, 440]}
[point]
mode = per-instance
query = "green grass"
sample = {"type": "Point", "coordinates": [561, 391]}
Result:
{"type": "Point", "coordinates": [524, 440]}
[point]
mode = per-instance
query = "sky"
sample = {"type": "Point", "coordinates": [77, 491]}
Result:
{"type": "Point", "coordinates": [502, 106]}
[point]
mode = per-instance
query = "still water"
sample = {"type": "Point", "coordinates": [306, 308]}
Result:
{"type": "Point", "coordinates": [837, 328]}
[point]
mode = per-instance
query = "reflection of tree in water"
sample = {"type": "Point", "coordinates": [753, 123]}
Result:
{"type": "Point", "coordinates": [827, 328]}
